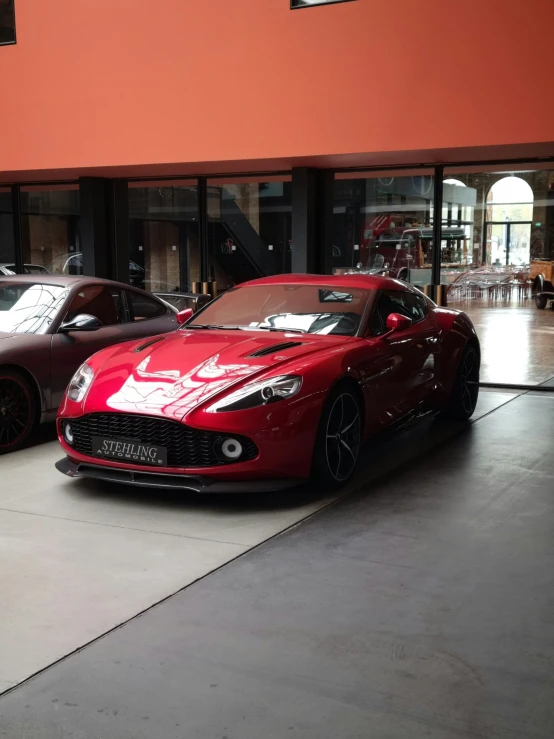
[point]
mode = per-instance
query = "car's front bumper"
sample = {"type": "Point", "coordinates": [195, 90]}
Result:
{"type": "Point", "coordinates": [192, 483]}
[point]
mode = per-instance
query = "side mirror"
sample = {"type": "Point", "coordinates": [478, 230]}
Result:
{"type": "Point", "coordinates": [184, 315]}
{"type": "Point", "coordinates": [397, 322]}
{"type": "Point", "coordinates": [82, 322]}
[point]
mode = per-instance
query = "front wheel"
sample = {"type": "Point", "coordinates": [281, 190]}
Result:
{"type": "Point", "coordinates": [17, 411]}
{"type": "Point", "coordinates": [338, 439]}
{"type": "Point", "coordinates": [465, 392]}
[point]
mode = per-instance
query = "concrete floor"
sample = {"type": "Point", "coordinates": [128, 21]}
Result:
{"type": "Point", "coordinates": [422, 606]}
{"type": "Point", "coordinates": [80, 558]}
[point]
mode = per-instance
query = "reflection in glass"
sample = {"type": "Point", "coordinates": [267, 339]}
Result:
{"type": "Point", "coordinates": [50, 229]}
{"type": "Point", "coordinates": [165, 255]}
{"type": "Point", "coordinates": [383, 224]}
{"type": "Point", "coordinates": [249, 229]}
{"type": "Point", "coordinates": [500, 277]}
{"type": "Point", "coordinates": [314, 309]}
{"type": "Point", "coordinates": [27, 308]}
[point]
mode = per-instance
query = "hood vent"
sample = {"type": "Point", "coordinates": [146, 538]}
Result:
{"type": "Point", "coordinates": [274, 348]}
{"type": "Point", "coordinates": [148, 343]}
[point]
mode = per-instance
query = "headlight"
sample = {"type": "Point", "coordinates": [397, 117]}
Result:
{"type": "Point", "coordinates": [259, 393]}
{"type": "Point", "coordinates": [80, 383]}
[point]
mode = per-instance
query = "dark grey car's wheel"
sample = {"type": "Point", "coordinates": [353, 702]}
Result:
{"type": "Point", "coordinates": [17, 411]}
{"type": "Point", "coordinates": [465, 391]}
{"type": "Point", "coordinates": [338, 440]}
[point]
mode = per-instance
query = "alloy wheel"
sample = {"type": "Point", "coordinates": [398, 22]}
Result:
{"type": "Point", "coordinates": [469, 382]}
{"type": "Point", "coordinates": [15, 411]}
{"type": "Point", "coordinates": [343, 437]}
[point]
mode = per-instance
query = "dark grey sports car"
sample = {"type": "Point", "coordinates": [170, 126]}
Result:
{"type": "Point", "coordinates": [49, 326]}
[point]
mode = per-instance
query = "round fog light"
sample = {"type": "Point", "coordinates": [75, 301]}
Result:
{"type": "Point", "coordinates": [231, 448]}
{"type": "Point", "coordinates": [68, 433]}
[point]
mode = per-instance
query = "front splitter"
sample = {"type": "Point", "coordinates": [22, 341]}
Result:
{"type": "Point", "coordinates": [192, 483]}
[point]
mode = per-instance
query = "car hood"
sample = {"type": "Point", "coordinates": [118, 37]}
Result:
{"type": "Point", "coordinates": [171, 375]}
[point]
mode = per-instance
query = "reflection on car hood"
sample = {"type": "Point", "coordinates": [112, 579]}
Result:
{"type": "Point", "coordinates": [171, 376]}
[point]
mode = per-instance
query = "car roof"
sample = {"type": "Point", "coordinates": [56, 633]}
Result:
{"type": "Point", "coordinates": [360, 281]}
{"type": "Point", "coordinates": [67, 280]}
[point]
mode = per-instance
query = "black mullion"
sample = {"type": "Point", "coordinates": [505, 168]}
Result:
{"type": "Point", "coordinates": [437, 226]}
{"type": "Point", "coordinates": [203, 227]}
{"type": "Point", "coordinates": [17, 231]}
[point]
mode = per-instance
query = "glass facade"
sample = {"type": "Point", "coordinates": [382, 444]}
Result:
{"type": "Point", "coordinates": [50, 229]}
{"type": "Point", "coordinates": [383, 222]}
{"type": "Point", "coordinates": [496, 243]}
{"type": "Point", "coordinates": [164, 246]}
{"type": "Point", "coordinates": [502, 276]}
{"type": "Point", "coordinates": [249, 229]}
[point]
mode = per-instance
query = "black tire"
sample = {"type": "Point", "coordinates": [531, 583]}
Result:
{"type": "Point", "coordinates": [465, 391]}
{"type": "Point", "coordinates": [338, 440]}
{"type": "Point", "coordinates": [17, 411]}
{"type": "Point", "coordinates": [541, 301]}
{"type": "Point", "coordinates": [403, 275]}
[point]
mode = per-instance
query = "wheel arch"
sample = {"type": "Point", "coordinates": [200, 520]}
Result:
{"type": "Point", "coordinates": [349, 382]}
{"type": "Point", "coordinates": [33, 384]}
{"type": "Point", "coordinates": [538, 284]}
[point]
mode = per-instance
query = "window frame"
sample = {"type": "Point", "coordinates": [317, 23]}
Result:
{"type": "Point", "coordinates": [72, 295]}
{"type": "Point", "coordinates": [11, 43]}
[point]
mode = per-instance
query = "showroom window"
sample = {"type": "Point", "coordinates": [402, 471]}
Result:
{"type": "Point", "coordinates": [165, 252]}
{"type": "Point", "coordinates": [500, 270]}
{"type": "Point", "coordinates": [249, 228]}
{"type": "Point", "coordinates": [308, 3]}
{"type": "Point", "coordinates": [7, 22]}
{"type": "Point", "coordinates": [383, 223]}
{"type": "Point", "coordinates": [7, 244]}
{"type": "Point", "coordinates": [50, 229]}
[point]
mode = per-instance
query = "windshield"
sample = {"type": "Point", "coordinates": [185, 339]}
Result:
{"type": "Point", "coordinates": [314, 309]}
{"type": "Point", "coordinates": [29, 308]}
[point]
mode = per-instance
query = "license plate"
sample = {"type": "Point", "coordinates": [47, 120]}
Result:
{"type": "Point", "coordinates": [129, 451]}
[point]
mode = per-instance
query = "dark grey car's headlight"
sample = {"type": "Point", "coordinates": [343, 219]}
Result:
{"type": "Point", "coordinates": [259, 393]}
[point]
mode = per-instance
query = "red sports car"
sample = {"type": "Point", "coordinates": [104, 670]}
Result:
{"type": "Point", "coordinates": [276, 381]}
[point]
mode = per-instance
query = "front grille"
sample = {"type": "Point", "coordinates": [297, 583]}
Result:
{"type": "Point", "coordinates": [186, 447]}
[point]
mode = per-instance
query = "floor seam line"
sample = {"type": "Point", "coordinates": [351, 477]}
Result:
{"type": "Point", "coordinates": [248, 550]}
{"type": "Point", "coordinates": [125, 528]}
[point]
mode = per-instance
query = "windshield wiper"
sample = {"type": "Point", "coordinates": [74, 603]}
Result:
{"type": "Point", "coordinates": [283, 330]}
{"type": "Point", "coordinates": [211, 325]}
{"type": "Point", "coordinates": [245, 328]}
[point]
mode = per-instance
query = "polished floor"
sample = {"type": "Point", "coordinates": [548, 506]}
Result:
{"type": "Point", "coordinates": [420, 606]}
{"type": "Point", "coordinates": [517, 340]}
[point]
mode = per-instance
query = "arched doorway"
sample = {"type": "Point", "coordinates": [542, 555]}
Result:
{"type": "Point", "coordinates": [509, 215]}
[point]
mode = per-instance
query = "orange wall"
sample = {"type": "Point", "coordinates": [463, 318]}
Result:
{"type": "Point", "coordinates": [98, 83]}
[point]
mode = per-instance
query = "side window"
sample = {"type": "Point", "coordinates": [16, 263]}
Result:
{"type": "Point", "coordinates": [100, 301]}
{"type": "Point", "coordinates": [396, 301]}
{"type": "Point", "coordinates": [142, 307]}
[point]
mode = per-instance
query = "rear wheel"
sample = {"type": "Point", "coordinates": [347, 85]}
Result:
{"type": "Point", "coordinates": [338, 439]}
{"type": "Point", "coordinates": [17, 410]}
{"type": "Point", "coordinates": [465, 392]}
{"type": "Point", "coordinates": [541, 301]}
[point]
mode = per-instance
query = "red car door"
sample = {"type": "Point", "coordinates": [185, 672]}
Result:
{"type": "Point", "coordinates": [404, 374]}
